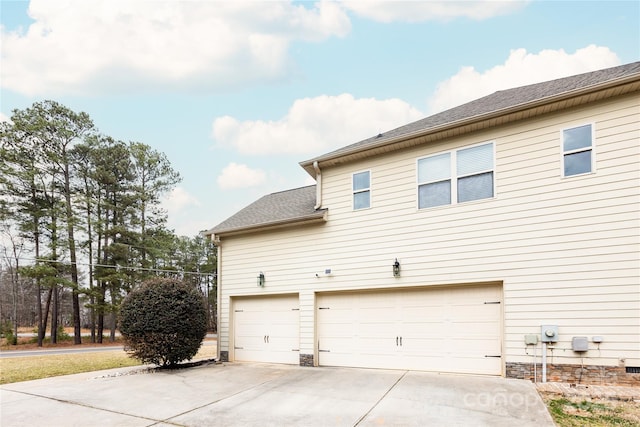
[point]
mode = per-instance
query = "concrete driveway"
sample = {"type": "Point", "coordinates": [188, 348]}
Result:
{"type": "Point", "coordinates": [239, 394]}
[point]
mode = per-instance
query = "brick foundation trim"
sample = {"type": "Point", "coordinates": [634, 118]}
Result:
{"type": "Point", "coordinates": [224, 356]}
{"type": "Point", "coordinates": [588, 374]}
{"type": "Point", "coordinates": [306, 360]}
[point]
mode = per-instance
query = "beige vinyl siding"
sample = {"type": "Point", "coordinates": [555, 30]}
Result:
{"type": "Point", "coordinates": [565, 249]}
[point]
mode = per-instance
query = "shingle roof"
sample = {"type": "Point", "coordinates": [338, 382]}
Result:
{"type": "Point", "coordinates": [493, 103]}
{"type": "Point", "coordinates": [285, 207]}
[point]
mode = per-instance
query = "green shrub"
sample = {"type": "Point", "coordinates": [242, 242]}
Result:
{"type": "Point", "coordinates": [63, 335]}
{"type": "Point", "coordinates": [6, 331]}
{"type": "Point", "coordinates": [163, 322]}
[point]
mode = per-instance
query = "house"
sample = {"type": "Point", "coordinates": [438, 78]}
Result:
{"type": "Point", "coordinates": [500, 237]}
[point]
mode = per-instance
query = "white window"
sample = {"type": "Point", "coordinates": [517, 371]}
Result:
{"type": "Point", "coordinates": [361, 190]}
{"type": "Point", "coordinates": [456, 176]}
{"type": "Point", "coordinates": [577, 150]}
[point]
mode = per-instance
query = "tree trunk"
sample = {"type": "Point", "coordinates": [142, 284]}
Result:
{"type": "Point", "coordinates": [45, 316]}
{"type": "Point", "coordinates": [101, 306]}
{"type": "Point", "coordinates": [41, 327]}
{"type": "Point", "coordinates": [54, 316]}
{"type": "Point", "coordinates": [114, 317]}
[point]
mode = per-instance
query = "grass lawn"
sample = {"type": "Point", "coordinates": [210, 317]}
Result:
{"type": "Point", "coordinates": [16, 369]}
{"type": "Point", "coordinates": [578, 412]}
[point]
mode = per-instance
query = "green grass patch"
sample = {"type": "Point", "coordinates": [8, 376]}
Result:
{"type": "Point", "coordinates": [584, 413]}
{"type": "Point", "coordinates": [16, 369]}
{"type": "Point", "coordinates": [26, 368]}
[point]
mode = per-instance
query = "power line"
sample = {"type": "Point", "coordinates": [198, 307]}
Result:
{"type": "Point", "coordinates": [154, 270]}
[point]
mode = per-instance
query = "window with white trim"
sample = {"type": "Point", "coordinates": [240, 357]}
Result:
{"type": "Point", "coordinates": [361, 190]}
{"type": "Point", "coordinates": [456, 176]}
{"type": "Point", "coordinates": [577, 150]}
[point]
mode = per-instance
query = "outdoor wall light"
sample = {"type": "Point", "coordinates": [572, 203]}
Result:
{"type": "Point", "coordinates": [261, 279]}
{"type": "Point", "coordinates": [396, 268]}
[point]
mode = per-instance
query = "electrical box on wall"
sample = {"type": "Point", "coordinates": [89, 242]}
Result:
{"type": "Point", "coordinates": [531, 339]}
{"type": "Point", "coordinates": [549, 333]}
{"type": "Point", "coordinates": [580, 344]}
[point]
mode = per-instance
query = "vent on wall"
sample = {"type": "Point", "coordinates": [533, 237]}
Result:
{"type": "Point", "coordinates": [633, 369]}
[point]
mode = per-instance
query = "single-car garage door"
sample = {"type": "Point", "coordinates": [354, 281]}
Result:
{"type": "Point", "coordinates": [266, 329]}
{"type": "Point", "coordinates": [433, 329]}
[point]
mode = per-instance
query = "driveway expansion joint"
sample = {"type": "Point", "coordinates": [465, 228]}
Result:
{"type": "Point", "coordinates": [381, 398]}
{"type": "Point", "coordinates": [84, 405]}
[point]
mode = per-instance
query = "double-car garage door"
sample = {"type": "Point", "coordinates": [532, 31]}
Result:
{"type": "Point", "coordinates": [453, 329]}
{"type": "Point", "coordinates": [438, 329]}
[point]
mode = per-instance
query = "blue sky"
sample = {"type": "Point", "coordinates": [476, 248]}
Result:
{"type": "Point", "coordinates": [237, 93]}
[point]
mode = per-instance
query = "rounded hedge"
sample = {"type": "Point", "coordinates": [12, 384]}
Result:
{"type": "Point", "coordinates": [163, 322]}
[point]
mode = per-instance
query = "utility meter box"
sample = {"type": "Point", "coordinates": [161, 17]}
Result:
{"type": "Point", "coordinates": [531, 339]}
{"type": "Point", "coordinates": [549, 333]}
{"type": "Point", "coordinates": [580, 344]}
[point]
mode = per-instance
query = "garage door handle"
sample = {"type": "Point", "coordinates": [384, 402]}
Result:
{"type": "Point", "coordinates": [400, 341]}
{"type": "Point", "coordinates": [396, 341]}
{"type": "Point", "coordinates": [490, 355]}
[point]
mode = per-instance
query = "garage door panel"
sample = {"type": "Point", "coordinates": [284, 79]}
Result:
{"type": "Point", "coordinates": [249, 342]}
{"type": "Point", "coordinates": [437, 329]}
{"type": "Point", "coordinates": [267, 329]}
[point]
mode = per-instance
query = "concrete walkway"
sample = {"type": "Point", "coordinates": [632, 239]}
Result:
{"type": "Point", "coordinates": [236, 394]}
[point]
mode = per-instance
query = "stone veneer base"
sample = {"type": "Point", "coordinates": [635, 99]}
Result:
{"type": "Point", "coordinates": [588, 374]}
{"type": "Point", "coordinates": [306, 360]}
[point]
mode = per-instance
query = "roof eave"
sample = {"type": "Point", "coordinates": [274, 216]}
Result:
{"type": "Point", "coordinates": [319, 216]}
{"type": "Point", "coordinates": [531, 105]}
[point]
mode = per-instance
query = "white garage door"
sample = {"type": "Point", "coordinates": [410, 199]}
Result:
{"type": "Point", "coordinates": [440, 329]}
{"type": "Point", "coordinates": [267, 329]}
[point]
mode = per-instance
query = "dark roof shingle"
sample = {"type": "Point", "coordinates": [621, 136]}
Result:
{"type": "Point", "coordinates": [495, 102]}
{"type": "Point", "coordinates": [276, 208]}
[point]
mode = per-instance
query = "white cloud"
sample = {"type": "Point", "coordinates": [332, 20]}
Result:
{"type": "Point", "coordinates": [100, 46]}
{"type": "Point", "coordinates": [179, 199]}
{"type": "Point", "coordinates": [240, 176]}
{"type": "Point", "coordinates": [314, 125]}
{"type": "Point", "coordinates": [419, 11]}
{"type": "Point", "coordinates": [4, 118]}
{"type": "Point", "coordinates": [521, 68]}
{"type": "Point", "coordinates": [187, 215]}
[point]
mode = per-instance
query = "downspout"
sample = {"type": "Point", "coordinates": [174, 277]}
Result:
{"type": "Point", "coordinates": [216, 241]}
{"type": "Point", "coordinates": [318, 185]}
{"type": "Point", "coordinates": [544, 362]}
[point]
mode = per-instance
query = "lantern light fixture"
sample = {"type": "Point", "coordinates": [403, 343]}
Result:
{"type": "Point", "coordinates": [396, 268]}
{"type": "Point", "coordinates": [261, 279]}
